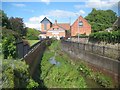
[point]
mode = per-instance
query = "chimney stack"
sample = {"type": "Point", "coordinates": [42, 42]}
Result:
{"type": "Point", "coordinates": [55, 22]}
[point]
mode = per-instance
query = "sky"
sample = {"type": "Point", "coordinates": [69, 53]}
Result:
{"type": "Point", "coordinates": [64, 11]}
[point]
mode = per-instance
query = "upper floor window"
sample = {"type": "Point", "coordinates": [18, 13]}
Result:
{"type": "Point", "coordinates": [45, 26]}
{"type": "Point", "coordinates": [80, 23]}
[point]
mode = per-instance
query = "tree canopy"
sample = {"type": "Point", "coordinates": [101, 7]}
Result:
{"type": "Point", "coordinates": [101, 19]}
{"type": "Point", "coordinates": [4, 20]}
{"type": "Point", "coordinates": [18, 25]}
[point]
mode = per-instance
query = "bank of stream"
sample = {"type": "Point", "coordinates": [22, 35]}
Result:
{"type": "Point", "coordinates": [59, 71]}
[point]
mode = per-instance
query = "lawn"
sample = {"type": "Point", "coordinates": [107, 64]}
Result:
{"type": "Point", "coordinates": [32, 42]}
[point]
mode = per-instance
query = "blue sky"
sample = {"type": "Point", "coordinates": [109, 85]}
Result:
{"type": "Point", "coordinates": [64, 12]}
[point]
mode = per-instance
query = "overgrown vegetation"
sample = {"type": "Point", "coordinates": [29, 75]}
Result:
{"type": "Point", "coordinates": [14, 72]}
{"type": "Point", "coordinates": [108, 37]}
{"type": "Point", "coordinates": [98, 77]}
{"type": "Point", "coordinates": [68, 72]}
{"type": "Point", "coordinates": [62, 75]}
{"type": "Point", "coordinates": [32, 34]}
{"type": "Point", "coordinates": [15, 75]}
{"type": "Point", "coordinates": [101, 19]}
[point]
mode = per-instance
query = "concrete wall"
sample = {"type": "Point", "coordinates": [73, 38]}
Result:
{"type": "Point", "coordinates": [34, 56]}
{"type": "Point", "coordinates": [78, 50]}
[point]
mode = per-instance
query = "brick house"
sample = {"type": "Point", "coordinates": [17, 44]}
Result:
{"type": "Point", "coordinates": [84, 29]}
{"type": "Point", "coordinates": [56, 30]}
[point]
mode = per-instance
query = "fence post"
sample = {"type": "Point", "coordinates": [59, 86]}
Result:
{"type": "Point", "coordinates": [23, 50]}
{"type": "Point", "coordinates": [103, 50]}
{"type": "Point", "coordinates": [84, 47]}
{"type": "Point", "coordinates": [92, 47]}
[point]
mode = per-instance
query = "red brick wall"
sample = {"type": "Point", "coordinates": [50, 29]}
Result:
{"type": "Point", "coordinates": [42, 26]}
{"type": "Point", "coordinates": [85, 29]}
{"type": "Point", "coordinates": [48, 25]}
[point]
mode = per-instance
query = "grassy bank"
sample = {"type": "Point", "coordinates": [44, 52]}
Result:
{"type": "Point", "coordinates": [32, 42]}
{"type": "Point", "coordinates": [69, 73]}
{"type": "Point", "coordinates": [62, 75]}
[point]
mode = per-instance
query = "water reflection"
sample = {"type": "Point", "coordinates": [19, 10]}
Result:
{"type": "Point", "coordinates": [54, 62]}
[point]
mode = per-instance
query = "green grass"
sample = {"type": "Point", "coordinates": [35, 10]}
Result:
{"type": "Point", "coordinates": [32, 42]}
{"type": "Point", "coordinates": [70, 73]}
{"type": "Point", "coordinates": [62, 76]}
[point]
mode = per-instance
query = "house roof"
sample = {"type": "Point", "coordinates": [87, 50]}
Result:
{"type": "Point", "coordinates": [55, 27]}
{"type": "Point", "coordinates": [47, 19]}
{"type": "Point", "coordinates": [66, 26]}
{"type": "Point", "coordinates": [81, 19]}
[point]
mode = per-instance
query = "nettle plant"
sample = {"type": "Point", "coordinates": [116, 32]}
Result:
{"type": "Point", "coordinates": [97, 77]}
{"type": "Point", "coordinates": [8, 47]}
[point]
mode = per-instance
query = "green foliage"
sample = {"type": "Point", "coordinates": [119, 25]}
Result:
{"type": "Point", "coordinates": [98, 77]}
{"type": "Point", "coordinates": [62, 76]}
{"type": "Point", "coordinates": [82, 68]}
{"type": "Point", "coordinates": [101, 19]}
{"type": "Point", "coordinates": [32, 42]}
{"type": "Point", "coordinates": [15, 75]}
{"type": "Point", "coordinates": [102, 80]}
{"type": "Point", "coordinates": [32, 84]}
{"type": "Point", "coordinates": [4, 21]}
{"type": "Point", "coordinates": [17, 25]}
{"type": "Point", "coordinates": [8, 47]}
{"type": "Point", "coordinates": [32, 34]}
{"type": "Point", "coordinates": [108, 37]}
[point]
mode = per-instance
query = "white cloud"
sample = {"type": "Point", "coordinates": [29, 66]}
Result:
{"type": "Point", "coordinates": [46, 1]}
{"type": "Point", "coordinates": [81, 12]}
{"type": "Point", "coordinates": [33, 25]}
{"type": "Point", "coordinates": [19, 5]}
{"type": "Point", "coordinates": [63, 13]}
{"type": "Point", "coordinates": [34, 22]}
{"type": "Point", "coordinates": [99, 4]}
{"type": "Point", "coordinates": [36, 19]}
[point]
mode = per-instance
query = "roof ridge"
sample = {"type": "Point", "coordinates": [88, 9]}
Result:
{"type": "Point", "coordinates": [47, 19]}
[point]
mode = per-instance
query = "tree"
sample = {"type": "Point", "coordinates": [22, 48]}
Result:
{"type": "Point", "coordinates": [4, 20]}
{"type": "Point", "coordinates": [101, 19]}
{"type": "Point", "coordinates": [18, 25]}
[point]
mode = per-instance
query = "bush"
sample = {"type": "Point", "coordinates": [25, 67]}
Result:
{"type": "Point", "coordinates": [8, 47]}
{"type": "Point", "coordinates": [15, 75]}
{"type": "Point", "coordinates": [108, 37]}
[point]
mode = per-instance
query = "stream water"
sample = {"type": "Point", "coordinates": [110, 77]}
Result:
{"type": "Point", "coordinates": [54, 62]}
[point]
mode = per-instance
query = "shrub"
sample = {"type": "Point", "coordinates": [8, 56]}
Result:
{"type": "Point", "coordinates": [108, 37]}
{"type": "Point", "coordinates": [15, 75]}
{"type": "Point", "coordinates": [8, 47]}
